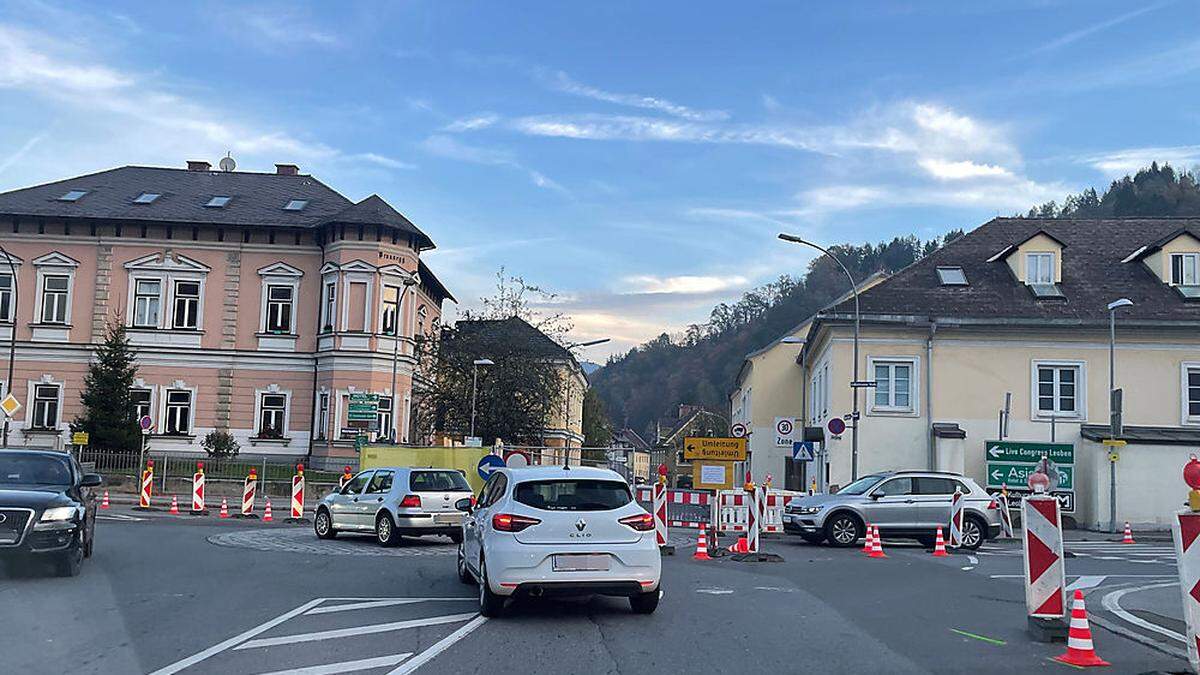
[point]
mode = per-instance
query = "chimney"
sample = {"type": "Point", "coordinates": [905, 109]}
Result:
{"type": "Point", "coordinates": [198, 165]}
{"type": "Point", "coordinates": [287, 169]}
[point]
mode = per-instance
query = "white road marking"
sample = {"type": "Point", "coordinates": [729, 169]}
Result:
{"type": "Point", "coordinates": [439, 646]}
{"type": "Point", "coordinates": [968, 568]}
{"type": "Point", "coordinates": [222, 646]}
{"type": "Point", "coordinates": [973, 560]}
{"type": "Point", "coordinates": [715, 591]}
{"type": "Point", "coordinates": [1112, 602]}
{"type": "Point", "coordinates": [120, 517]}
{"type": "Point", "coordinates": [345, 666]}
{"type": "Point", "coordinates": [370, 604]}
{"type": "Point", "coordinates": [1124, 576]}
{"type": "Point", "coordinates": [1085, 582]}
{"type": "Point", "coordinates": [357, 630]}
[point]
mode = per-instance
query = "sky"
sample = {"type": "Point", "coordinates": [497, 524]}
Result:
{"type": "Point", "coordinates": [638, 159]}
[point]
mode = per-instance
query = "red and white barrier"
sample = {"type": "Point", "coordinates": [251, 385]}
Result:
{"type": "Point", "coordinates": [1045, 575]}
{"type": "Point", "coordinates": [660, 513]}
{"type": "Point", "coordinates": [1006, 524]}
{"type": "Point", "coordinates": [1186, 529]}
{"type": "Point", "coordinates": [248, 489]}
{"type": "Point", "coordinates": [956, 519]}
{"type": "Point", "coordinates": [757, 505]}
{"type": "Point", "coordinates": [147, 485]}
{"type": "Point", "coordinates": [198, 488]}
{"type": "Point", "coordinates": [298, 493]}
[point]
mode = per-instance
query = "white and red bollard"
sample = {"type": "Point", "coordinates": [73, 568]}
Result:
{"type": "Point", "coordinates": [1045, 574]}
{"type": "Point", "coordinates": [198, 489]}
{"type": "Point", "coordinates": [147, 485]}
{"type": "Point", "coordinates": [659, 503]}
{"type": "Point", "coordinates": [956, 519]}
{"type": "Point", "coordinates": [1185, 528]}
{"type": "Point", "coordinates": [1006, 524]}
{"type": "Point", "coordinates": [298, 493]}
{"type": "Point", "coordinates": [248, 488]}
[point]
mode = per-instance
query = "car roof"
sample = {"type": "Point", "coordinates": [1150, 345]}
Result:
{"type": "Point", "coordinates": [30, 451]}
{"type": "Point", "coordinates": [411, 468]}
{"type": "Point", "coordinates": [529, 473]}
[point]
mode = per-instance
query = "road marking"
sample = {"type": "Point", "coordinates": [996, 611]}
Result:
{"type": "Point", "coordinates": [345, 666]}
{"type": "Point", "coordinates": [357, 630]}
{"type": "Point", "coordinates": [220, 647]}
{"type": "Point", "coordinates": [1086, 582]}
{"type": "Point", "coordinates": [1112, 602]}
{"type": "Point", "coordinates": [967, 568]}
{"type": "Point", "coordinates": [439, 646]}
{"type": "Point", "coordinates": [120, 517]}
{"type": "Point", "coordinates": [978, 637]}
{"type": "Point", "coordinates": [350, 607]}
{"type": "Point", "coordinates": [973, 559]}
{"type": "Point", "coordinates": [715, 591]}
{"type": "Point", "coordinates": [1129, 576]}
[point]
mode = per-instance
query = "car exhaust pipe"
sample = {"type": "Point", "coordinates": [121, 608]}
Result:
{"type": "Point", "coordinates": [536, 592]}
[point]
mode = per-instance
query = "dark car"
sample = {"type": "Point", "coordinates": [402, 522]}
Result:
{"type": "Point", "coordinates": [47, 509]}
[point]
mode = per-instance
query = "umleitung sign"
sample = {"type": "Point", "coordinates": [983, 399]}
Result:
{"type": "Point", "coordinates": [719, 449]}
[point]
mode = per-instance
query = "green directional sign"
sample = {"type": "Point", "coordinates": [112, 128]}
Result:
{"type": "Point", "coordinates": [1028, 451]}
{"type": "Point", "coordinates": [1016, 475]}
{"type": "Point", "coordinates": [363, 407]}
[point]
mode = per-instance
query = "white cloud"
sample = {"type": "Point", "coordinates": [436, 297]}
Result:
{"type": "Point", "coordinates": [841, 198]}
{"type": "Point", "coordinates": [1128, 160]}
{"type": "Point", "coordinates": [281, 27]}
{"type": "Point", "coordinates": [684, 284]}
{"type": "Point", "coordinates": [473, 123]}
{"type": "Point", "coordinates": [384, 161]}
{"type": "Point", "coordinates": [560, 81]}
{"type": "Point", "coordinates": [944, 170]}
{"type": "Point", "coordinates": [20, 152]}
{"type": "Point", "coordinates": [633, 128]}
{"type": "Point", "coordinates": [452, 148]}
{"type": "Point", "coordinates": [1077, 35]}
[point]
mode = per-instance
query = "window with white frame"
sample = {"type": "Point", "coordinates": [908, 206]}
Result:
{"type": "Point", "coordinates": [141, 399]}
{"type": "Point", "coordinates": [1185, 269]}
{"type": "Point", "coordinates": [45, 406]}
{"type": "Point", "coordinates": [1039, 268]}
{"type": "Point", "coordinates": [147, 302]}
{"type": "Point", "coordinates": [384, 417]}
{"type": "Point", "coordinates": [329, 308]}
{"type": "Point", "coordinates": [1191, 392]}
{"type": "Point", "coordinates": [1058, 390]}
{"type": "Point", "coordinates": [391, 310]}
{"type": "Point", "coordinates": [272, 416]}
{"type": "Point", "coordinates": [894, 385]}
{"type": "Point", "coordinates": [279, 308]}
{"type": "Point", "coordinates": [178, 410]}
{"type": "Point", "coordinates": [56, 290]}
{"type": "Point", "coordinates": [422, 319]}
{"type": "Point", "coordinates": [6, 296]}
{"type": "Point", "coordinates": [186, 312]}
{"type": "Point", "coordinates": [323, 415]}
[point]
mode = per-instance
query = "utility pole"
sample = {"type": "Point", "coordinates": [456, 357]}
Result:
{"type": "Point", "coordinates": [1114, 412]}
{"type": "Point", "coordinates": [12, 340]}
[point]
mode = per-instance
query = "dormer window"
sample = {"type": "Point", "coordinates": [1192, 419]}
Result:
{"type": "Point", "coordinates": [1039, 269]}
{"type": "Point", "coordinates": [1185, 269]}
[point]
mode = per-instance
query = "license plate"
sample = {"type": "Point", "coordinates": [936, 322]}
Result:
{"type": "Point", "coordinates": [587, 562]}
{"type": "Point", "coordinates": [447, 520]}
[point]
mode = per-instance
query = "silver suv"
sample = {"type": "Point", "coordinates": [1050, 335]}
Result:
{"type": "Point", "coordinates": [395, 501]}
{"type": "Point", "coordinates": [906, 504]}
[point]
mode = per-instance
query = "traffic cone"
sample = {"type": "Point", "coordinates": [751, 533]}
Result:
{"type": "Point", "coordinates": [939, 546]}
{"type": "Point", "coordinates": [867, 541]}
{"type": "Point", "coordinates": [104, 502]}
{"type": "Point", "coordinates": [701, 545]}
{"type": "Point", "coordinates": [267, 513]}
{"type": "Point", "coordinates": [740, 546]}
{"type": "Point", "coordinates": [877, 545]}
{"type": "Point", "coordinates": [174, 506]}
{"type": "Point", "coordinates": [224, 508]}
{"type": "Point", "coordinates": [1080, 651]}
{"type": "Point", "coordinates": [1128, 535]}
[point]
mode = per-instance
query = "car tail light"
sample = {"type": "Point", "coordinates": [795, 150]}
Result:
{"type": "Point", "coordinates": [993, 505]}
{"type": "Point", "coordinates": [410, 501]}
{"type": "Point", "coordinates": [642, 522]}
{"type": "Point", "coordinates": [507, 522]}
{"type": "Point", "coordinates": [472, 498]}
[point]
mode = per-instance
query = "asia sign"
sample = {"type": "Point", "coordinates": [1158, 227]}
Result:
{"type": "Point", "coordinates": [1017, 475]}
{"type": "Point", "coordinates": [718, 449]}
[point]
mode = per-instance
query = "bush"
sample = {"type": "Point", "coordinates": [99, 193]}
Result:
{"type": "Point", "coordinates": [220, 443]}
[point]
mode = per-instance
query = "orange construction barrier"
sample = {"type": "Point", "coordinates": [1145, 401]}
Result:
{"type": "Point", "coordinates": [248, 487]}
{"type": "Point", "coordinates": [147, 485]}
{"type": "Point", "coordinates": [298, 493]}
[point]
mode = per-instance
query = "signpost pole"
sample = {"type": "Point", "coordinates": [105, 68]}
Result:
{"type": "Point", "coordinates": [12, 340]}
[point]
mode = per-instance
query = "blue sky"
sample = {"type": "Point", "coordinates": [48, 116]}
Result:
{"type": "Point", "coordinates": [637, 158]}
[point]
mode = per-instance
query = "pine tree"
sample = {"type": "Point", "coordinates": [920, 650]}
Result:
{"type": "Point", "coordinates": [109, 414]}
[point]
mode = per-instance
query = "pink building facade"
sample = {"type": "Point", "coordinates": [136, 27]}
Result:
{"type": "Point", "coordinates": [257, 303]}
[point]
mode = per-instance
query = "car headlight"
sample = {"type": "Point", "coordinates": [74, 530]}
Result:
{"type": "Point", "coordinates": [58, 513]}
{"type": "Point", "coordinates": [809, 510]}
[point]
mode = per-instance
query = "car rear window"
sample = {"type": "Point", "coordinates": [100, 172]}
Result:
{"type": "Point", "coordinates": [573, 494]}
{"type": "Point", "coordinates": [34, 470]}
{"type": "Point", "coordinates": [438, 481]}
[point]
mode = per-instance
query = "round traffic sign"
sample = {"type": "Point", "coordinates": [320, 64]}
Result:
{"type": "Point", "coordinates": [836, 426]}
{"type": "Point", "coordinates": [488, 464]}
{"type": "Point", "coordinates": [784, 427]}
{"type": "Point", "coordinates": [738, 430]}
{"type": "Point", "coordinates": [145, 423]}
{"type": "Point", "coordinates": [516, 459]}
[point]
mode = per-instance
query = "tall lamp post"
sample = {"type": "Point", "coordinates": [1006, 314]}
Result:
{"type": "Point", "coordinates": [1112, 387]}
{"type": "Point", "coordinates": [475, 385]}
{"type": "Point", "coordinates": [854, 385]}
{"type": "Point", "coordinates": [410, 281]}
{"type": "Point", "coordinates": [12, 339]}
{"type": "Point", "coordinates": [567, 413]}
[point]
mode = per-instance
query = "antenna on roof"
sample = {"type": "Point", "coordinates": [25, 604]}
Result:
{"type": "Point", "coordinates": [227, 164]}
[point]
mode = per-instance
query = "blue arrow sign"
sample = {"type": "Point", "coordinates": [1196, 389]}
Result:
{"type": "Point", "coordinates": [803, 450]}
{"type": "Point", "coordinates": [488, 464]}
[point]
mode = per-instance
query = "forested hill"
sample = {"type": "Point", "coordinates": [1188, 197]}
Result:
{"type": "Point", "coordinates": [697, 367]}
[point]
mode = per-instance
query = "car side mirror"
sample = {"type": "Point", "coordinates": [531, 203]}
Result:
{"type": "Point", "coordinates": [875, 495]}
{"type": "Point", "coordinates": [91, 480]}
{"type": "Point", "coordinates": [463, 505]}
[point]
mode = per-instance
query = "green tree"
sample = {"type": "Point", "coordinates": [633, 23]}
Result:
{"type": "Point", "coordinates": [109, 415]}
{"type": "Point", "coordinates": [597, 428]}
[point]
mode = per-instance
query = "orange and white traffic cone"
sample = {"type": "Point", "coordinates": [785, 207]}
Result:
{"type": "Point", "coordinates": [740, 546]}
{"type": "Point", "coordinates": [224, 507]}
{"type": "Point", "coordinates": [939, 545]}
{"type": "Point", "coordinates": [868, 541]}
{"type": "Point", "coordinates": [701, 545]}
{"type": "Point", "coordinates": [267, 513]}
{"type": "Point", "coordinates": [104, 502]}
{"type": "Point", "coordinates": [174, 505]}
{"type": "Point", "coordinates": [1128, 535]}
{"type": "Point", "coordinates": [1080, 651]}
{"type": "Point", "coordinates": [877, 545]}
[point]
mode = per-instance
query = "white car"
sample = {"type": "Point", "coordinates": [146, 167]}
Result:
{"type": "Point", "coordinates": [541, 531]}
{"type": "Point", "coordinates": [392, 502]}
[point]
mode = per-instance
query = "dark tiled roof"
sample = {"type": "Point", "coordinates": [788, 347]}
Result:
{"type": "Point", "coordinates": [430, 281]}
{"type": "Point", "coordinates": [632, 438]}
{"type": "Point", "coordinates": [1092, 276]}
{"type": "Point", "coordinates": [1144, 435]}
{"type": "Point", "coordinates": [515, 330]}
{"type": "Point", "coordinates": [374, 211]}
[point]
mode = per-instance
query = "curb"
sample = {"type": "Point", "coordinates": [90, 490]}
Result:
{"type": "Point", "coordinates": [132, 500]}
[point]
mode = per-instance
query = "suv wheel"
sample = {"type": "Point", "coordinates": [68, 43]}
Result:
{"type": "Point", "coordinates": [843, 530]}
{"type": "Point", "coordinates": [464, 574]}
{"type": "Point", "coordinates": [490, 604]}
{"type": "Point", "coordinates": [972, 533]}
{"type": "Point", "coordinates": [385, 531]}
{"type": "Point", "coordinates": [323, 525]}
{"type": "Point", "coordinates": [70, 561]}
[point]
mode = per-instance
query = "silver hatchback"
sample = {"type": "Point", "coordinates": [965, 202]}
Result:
{"type": "Point", "coordinates": [391, 502]}
{"type": "Point", "coordinates": [906, 504]}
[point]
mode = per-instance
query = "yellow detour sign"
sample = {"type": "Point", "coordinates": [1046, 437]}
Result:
{"type": "Point", "coordinates": [79, 438]}
{"type": "Point", "coordinates": [708, 475]}
{"type": "Point", "coordinates": [720, 449]}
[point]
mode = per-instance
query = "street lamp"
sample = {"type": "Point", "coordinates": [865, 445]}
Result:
{"type": "Point", "coordinates": [567, 405]}
{"type": "Point", "coordinates": [410, 281]}
{"type": "Point", "coordinates": [1112, 386]}
{"type": "Point", "coordinates": [12, 338]}
{"type": "Point", "coordinates": [474, 386]}
{"type": "Point", "coordinates": [854, 384]}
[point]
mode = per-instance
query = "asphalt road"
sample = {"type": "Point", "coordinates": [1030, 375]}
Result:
{"type": "Point", "coordinates": [198, 595]}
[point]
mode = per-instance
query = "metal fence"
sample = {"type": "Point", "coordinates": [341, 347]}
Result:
{"type": "Point", "coordinates": [173, 470]}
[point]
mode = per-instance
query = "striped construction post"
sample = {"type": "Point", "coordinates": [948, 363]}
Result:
{"type": "Point", "coordinates": [956, 519]}
{"type": "Point", "coordinates": [147, 485]}
{"type": "Point", "coordinates": [248, 488]}
{"type": "Point", "coordinates": [660, 513]}
{"type": "Point", "coordinates": [1006, 526]}
{"type": "Point", "coordinates": [754, 512]}
{"type": "Point", "coordinates": [198, 488]}
{"type": "Point", "coordinates": [1045, 575]}
{"type": "Point", "coordinates": [298, 493]}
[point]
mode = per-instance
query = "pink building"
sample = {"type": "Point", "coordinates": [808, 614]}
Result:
{"type": "Point", "coordinates": [258, 303]}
